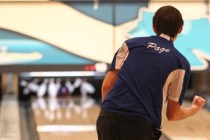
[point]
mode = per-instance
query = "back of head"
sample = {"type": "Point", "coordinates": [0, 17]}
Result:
{"type": "Point", "coordinates": [168, 20]}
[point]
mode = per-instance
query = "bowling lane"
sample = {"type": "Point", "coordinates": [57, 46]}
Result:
{"type": "Point", "coordinates": [65, 118]}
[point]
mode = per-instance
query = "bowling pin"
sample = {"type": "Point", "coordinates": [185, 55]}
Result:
{"type": "Point", "coordinates": [26, 91]}
{"type": "Point", "coordinates": [69, 86]}
{"type": "Point", "coordinates": [24, 84]}
{"type": "Point", "coordinates": [86, 88]}
{"type": "Point", "coordinates": [30, 86]}
{"type": "Point", "coordinates": [58, 84]}
{"type": "Point", "coordinates": [42, 89]}
{"type": "Point", "coordinates": [33, 86]}
{"type": "Point", "coordinates": [52, 89]}
{"type": "Point", "coordinates": [77, 82]}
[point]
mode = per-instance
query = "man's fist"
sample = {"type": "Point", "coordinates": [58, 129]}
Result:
{"type": "Point", "coordinates": [198, 102]}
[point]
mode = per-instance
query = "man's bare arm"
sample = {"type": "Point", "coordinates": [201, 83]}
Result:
{"type": "Point", "coordinates": [108, 82]}
{"type": "Point", "coordinates": [176, 112]}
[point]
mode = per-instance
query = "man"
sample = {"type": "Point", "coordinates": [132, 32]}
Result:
{"type": "Point", "coordinates": [144, 74]}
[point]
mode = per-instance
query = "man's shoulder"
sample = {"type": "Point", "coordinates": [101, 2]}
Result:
{"type": "Point", "coordinates": [137, 41]}
{"type": "Point", "coordinates": [183, 60]}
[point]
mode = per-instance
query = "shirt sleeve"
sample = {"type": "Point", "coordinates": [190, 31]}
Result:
{"type": "Point", "coordinates": [178, 86]}
{"type": "Point", "coordinates": [119, 57]}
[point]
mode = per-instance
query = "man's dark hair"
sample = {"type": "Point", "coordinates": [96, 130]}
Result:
{"type": "Point", "coordinates": [168, 20]}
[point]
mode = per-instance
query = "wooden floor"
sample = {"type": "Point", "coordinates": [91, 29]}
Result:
{"type": "Point", "coordinates": [9, 119]}
{"type": "Point", "coordinates": [75, 118]}
{"type": "Point", "coordinates": [66, 119]}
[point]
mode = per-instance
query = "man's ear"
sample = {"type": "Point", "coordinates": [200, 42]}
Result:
{"type": "Point", "coordinates": [154, 29]}
{"type": "Point", "coordinates": [180, 30]}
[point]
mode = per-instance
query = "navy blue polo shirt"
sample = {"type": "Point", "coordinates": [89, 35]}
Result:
{"type": "Point", "coordinates": [152, 70]}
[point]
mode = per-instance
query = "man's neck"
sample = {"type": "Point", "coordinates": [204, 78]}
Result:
{"type": "Point", "coordinates": [168, 37]}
